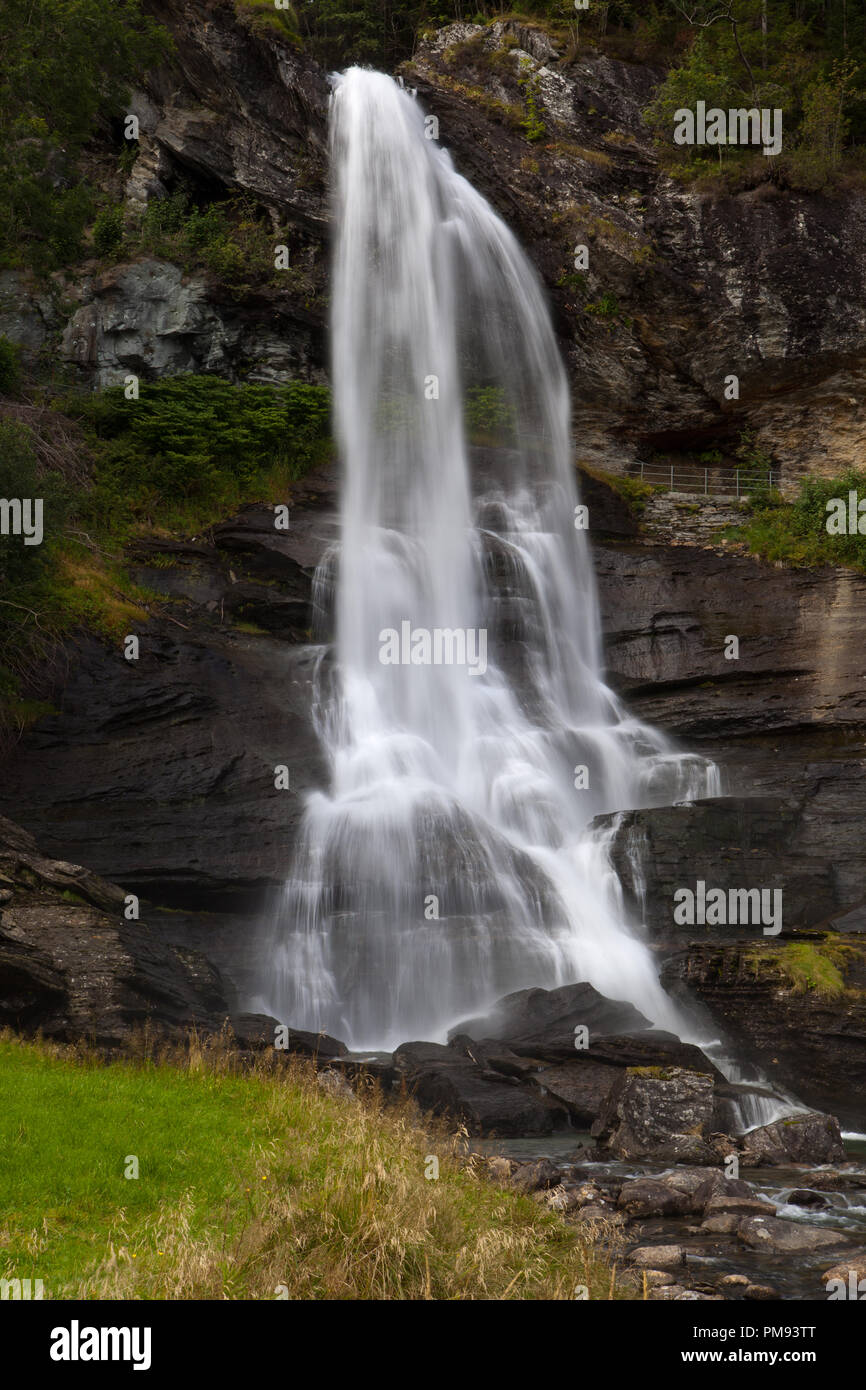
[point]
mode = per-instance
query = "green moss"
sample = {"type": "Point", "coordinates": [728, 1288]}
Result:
{"type": "Point", "coordinates": [806, 966]}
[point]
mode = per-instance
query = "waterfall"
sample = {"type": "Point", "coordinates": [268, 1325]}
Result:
{"type": "Point", "coordinates": [469, 733]}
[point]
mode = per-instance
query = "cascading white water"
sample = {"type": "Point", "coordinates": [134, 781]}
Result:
{"type": "Point", "coordinates": [450, 860]}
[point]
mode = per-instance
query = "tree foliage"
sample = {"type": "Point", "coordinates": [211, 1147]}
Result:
{"type": "Point", "coordinates": [66, 67]}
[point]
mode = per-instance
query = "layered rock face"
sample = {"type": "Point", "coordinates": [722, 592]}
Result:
{"type": "Point", "coordinates": [767, 286]}
{"type": "Point", "coordinates": [75, 966]}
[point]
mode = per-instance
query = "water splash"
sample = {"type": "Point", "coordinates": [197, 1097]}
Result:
{"type": "Point", "coordinates": [450, 860]}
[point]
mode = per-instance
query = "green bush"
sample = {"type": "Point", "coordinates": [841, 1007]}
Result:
{"type": "Point", "coordinates": [22, 564]}
{"type": "Point", "coordinates": [108, 231]}
{"type": "Point", "coordinates": [229, 239]}
{"type": "Point", "coordinates": [197, 439]}
{"type": "Point", "coordinates": [796, 532]}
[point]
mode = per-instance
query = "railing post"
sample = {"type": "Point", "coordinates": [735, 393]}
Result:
{"type": "Point", "coordinates": [641, 470]}
{"type": "Point", "coordinates": [706, 492]}
{"type": "Point", "coordinates": [672, 477]}
{"type": "Point", "coordinates": [738, 483]}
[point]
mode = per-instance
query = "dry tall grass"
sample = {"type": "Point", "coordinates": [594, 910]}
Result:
{"type": "Point", "coordinates": [335, 1204]}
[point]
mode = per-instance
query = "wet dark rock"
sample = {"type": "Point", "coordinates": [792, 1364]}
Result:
{"type": "Point", "coordinates": [728, 843]}
{"type": "Point", "coordinates": [810, 1042]}
{"type": "Point", "coordinates": [73, 967]}
{"type": "Point", "coordinates": [810, 1138]}
{"type": "Point", "coordinates": [258, 1032]}
{"type": "Point", "coordinates": [448, 1082]}
{"type": "Point", "coordinates": [539, 1026]}
{"type": "Point", "coordinates": [786, 1237]}
{"type": "Point", "coordinates": [648, 1197]}
{"type": "Point", "coordinates": [803, 1197]}
{"type": "Point", "coordinates": [142, 755]}
{"type": "Point", "coordinates": [547, 1018]}
{"type": "Point", "coordinates": [665, 1116]}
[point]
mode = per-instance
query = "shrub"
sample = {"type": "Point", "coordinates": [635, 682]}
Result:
{"type": "Point", "coordinates": [108, 231]}
{"type": "Point", "coordinates": [198, 439]}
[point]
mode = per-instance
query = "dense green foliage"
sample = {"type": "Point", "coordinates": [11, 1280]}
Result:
{"type": "Point", "coordinates": [66, 65]}
{"type": "Point", "coordinates": [196, 440]}
{"type": "Point", "coordinates": [802, 57]}
{"type": "Point", "coordinates": [796, 532]}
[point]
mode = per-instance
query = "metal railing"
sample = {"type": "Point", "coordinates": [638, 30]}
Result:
{"type": "Point", "coordinates": [705, 482]}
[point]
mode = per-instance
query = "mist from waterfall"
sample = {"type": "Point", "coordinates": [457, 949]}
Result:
{"type": "Point", "coordinates": [451, 858]}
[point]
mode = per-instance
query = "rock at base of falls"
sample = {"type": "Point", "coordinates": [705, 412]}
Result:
{"type": "Point", "coordinates": [653, 1112]}
{"type": "Point", "coordinates": [809, 1138]}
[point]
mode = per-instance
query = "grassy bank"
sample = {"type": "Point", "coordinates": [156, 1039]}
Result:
{"type": "Point", "coordinates": [248, 1182]}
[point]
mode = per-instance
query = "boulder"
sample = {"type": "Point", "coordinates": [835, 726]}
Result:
{"type": "Point", "coordinates": [659, 1114]}
{"type": "Point", "coordinates": [738, 1207]}
{"type": "Point", "coordinates": [540, 1176]}
{"type": "Point", "coordinates": [649, 1197]}
{"type": "Point", "coordinates": [852, 1268]}
{"type": "Point", "coordinates": [810, 1138]}
{"type": "Point", "coordinates": [658, 1256]}
{"type": "Point", "coordinates": [725, 1224]}
{"type": "Point", "coordinates": [447, 1082]}
{"type": "Point", "coordinates": [257, 1032]}
{"type": "Point", "coordinates": [804, 1197]}
{"type": "Point", "coordinates": [786, 1237]}
{"type": "Point", "coordinates": [547, 1018]}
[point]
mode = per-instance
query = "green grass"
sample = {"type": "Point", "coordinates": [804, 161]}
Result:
{"type": "Point", "coordinates": [248, 1181]}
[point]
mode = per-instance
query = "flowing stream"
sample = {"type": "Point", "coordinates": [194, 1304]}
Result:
{"type": "Point", "coordinates": [470, 735]}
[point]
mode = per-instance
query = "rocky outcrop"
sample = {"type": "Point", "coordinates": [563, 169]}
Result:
{"type": "Point", "coordinates": [730, 844]}
{"type": "Point", "coordinates": [698, 285]}
{"type": "Point", "coordinates": [799, 1139]}
{"type": "Point", "coordinates": [811, 1039]}
{"type": "Point", "coordinates": [658, 1113]}
{"type": "Point", "coordinates": [75, 966]}
{"type": "Point", "coordinates": [150, 318]}
{"type": "Point", "coordinates": [138, 752]}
